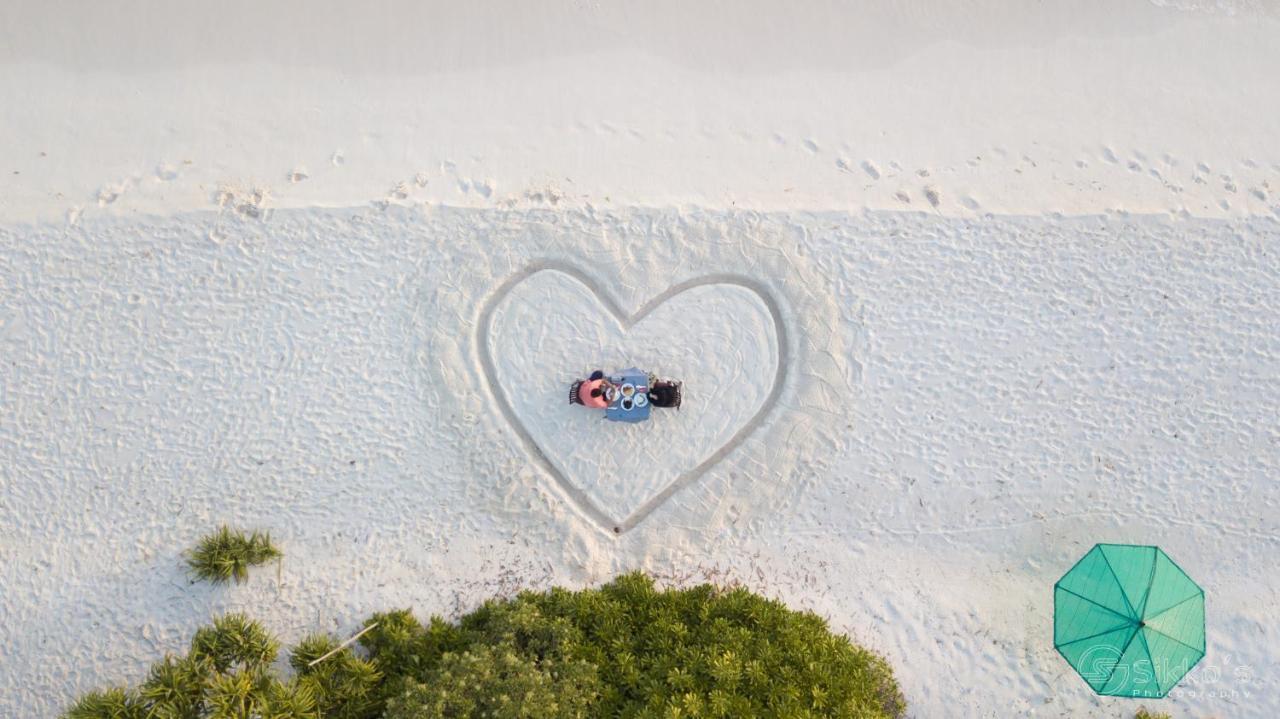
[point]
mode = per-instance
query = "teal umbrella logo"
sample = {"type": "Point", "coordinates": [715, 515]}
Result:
{"type": "Point", "coordinates": [1129, 620]}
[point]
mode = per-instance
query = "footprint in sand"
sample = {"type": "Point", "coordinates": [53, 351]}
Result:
{"type": "Point", "coordinates": [933, 196]}
{"type": "Point", "coordinates": [870, 168]}
{"type": "Point", "coordinates": [109, 194]}
{"type": "Point", "coordinates": [811, 146]}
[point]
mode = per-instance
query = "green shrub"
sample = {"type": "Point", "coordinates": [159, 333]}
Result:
{"type": "Point", "coordinates": [501, 683]}
{"type": "Point", "coordinates": [108, 704]}
{"type": "Point", "coordinates": [226, 675]}
{"type": "Point", "coordinates": [176, 686]}
{"type": "Point", "coordinates": [345, 686]}
{"type": "Point", "coordinates": [700, 652]}
{"type": "Point", "coordinates": [256, 694]}
{"type": "Point", "coordinates": [227, 554]}
{"type": "Point", "coordinates": [623, 650]}
{"type": "Point", "coordinates": [401, 642]}
{"type": "Point", "coordinates": [1144, 713]}
{"type": "Point", "coordinates": [234, 641]}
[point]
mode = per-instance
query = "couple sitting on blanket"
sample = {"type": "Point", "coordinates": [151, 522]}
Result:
{"type": "Point", "coordinates": [594, 391]}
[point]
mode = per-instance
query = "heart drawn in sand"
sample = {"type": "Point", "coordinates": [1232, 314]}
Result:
{"type": "Point", "coordinates": [722, 335]}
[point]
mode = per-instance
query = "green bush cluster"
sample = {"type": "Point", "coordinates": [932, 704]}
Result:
{"type": "Point", "coordinates": [1144, 713]}
{"type": "Point", "coordinates": [629, 649]}
{"type": "Point", "coordinates": [626, 649]}
{"type": "Point", "coordinates": [345, 686]}
{"type": "Point", "coordinates": [227, 554]}
{"type": "Point", "coordinates": [502, 683]}
{"type": "Point", "coordinates": [227, 675]}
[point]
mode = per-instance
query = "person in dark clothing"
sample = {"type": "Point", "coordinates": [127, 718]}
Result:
{"type": "Point", "coordinates": [663, 393]}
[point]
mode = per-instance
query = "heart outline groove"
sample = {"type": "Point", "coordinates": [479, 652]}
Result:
{"type": "Point", "coordinates": [585, 504]}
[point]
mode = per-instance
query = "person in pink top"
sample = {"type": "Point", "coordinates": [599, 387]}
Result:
{"type": "Point", "coordinates": [594, 391]}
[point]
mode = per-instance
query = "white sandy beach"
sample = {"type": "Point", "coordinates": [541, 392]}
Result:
{"type": "Point", "coordinates": [957, 290]}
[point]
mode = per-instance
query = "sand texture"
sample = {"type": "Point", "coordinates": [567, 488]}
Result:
{"type": "Point", "coordinates": [966, 407]}
{"type": "Point", "coordinates": [957, 289]}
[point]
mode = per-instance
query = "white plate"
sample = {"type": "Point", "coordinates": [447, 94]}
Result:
{"type": "Point", "coordinates": [640, 399]}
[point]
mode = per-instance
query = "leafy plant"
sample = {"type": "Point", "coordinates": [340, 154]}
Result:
{"type": "Point", "coordinates": [226, 675]}
{"type": "Point", "coordinates": [108, 704]}
{"type": "Point", "coordinates": [1144, 713]}
{"type": "Point", "coordinates": [288, 701]}
{"type": "Point", "coordinates": [405, 648]}
{"type": "Point", "coordinates": [502, 683]}
{"type": "Point", "coordinates": [239, 694]}
{"type": "Point", "coordinates": [175, 688]}
{"type": "Point", "coordinates": [256, 694]}
{"type": "Point", "coordinates": [636, 651]}
{"type": "Point", "coordinates": [344, 685]}
{"type": "Point", "coordinates": [227, 554]}
{"type": "Point", "coordinates": [234, 641]}
{"type": "Point", "coordinates": [626, 649]}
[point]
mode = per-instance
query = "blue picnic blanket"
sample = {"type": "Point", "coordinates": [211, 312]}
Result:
{"type": "Point", "coordinates": [633, 407]}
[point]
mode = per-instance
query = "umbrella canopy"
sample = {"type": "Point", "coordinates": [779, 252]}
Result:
{"type": "Point", "coordinates": [1129, 620]}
